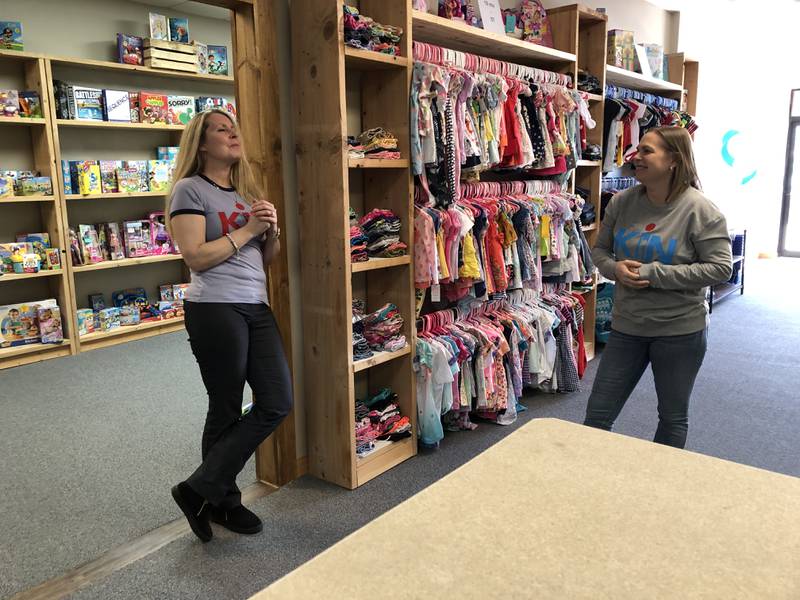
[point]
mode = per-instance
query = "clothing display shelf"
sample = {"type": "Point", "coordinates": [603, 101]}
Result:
{"type": "Point", "coordinates": [629, 79]}
{"type": "Point", "coordinates": [52, 139]}
{"type": "Point", "coordinates": [717, 293]}
{"type": "Point", "coordinates": [327, 73]}
{"type": "Point", "coordinates": [33, 145]}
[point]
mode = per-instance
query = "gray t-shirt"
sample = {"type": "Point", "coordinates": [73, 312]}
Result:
{"type": "Point", "coordinates": [239, 279]}
{"type": "Point", "coordinates": [684, 246]}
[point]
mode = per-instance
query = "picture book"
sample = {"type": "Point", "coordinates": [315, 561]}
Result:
{"type": "Point", "coordinates": [128, 180]}
{"type": "Point", "coordinates": [11, 35]}
{"type": "Point", "coordinates": [116, 249]}
{"type": "Point", "coordinates": [141, 169]}
{"type": "Point", "coordinates": [180, 109]}
{"type": "Point", "coordinates": [158, 27]}
{"type": "Point", "coordinates": [88, 103]}
{"type": "Point", "coordinates": [202, 57]}
{"type": "Point", "coordinates": [117, 106]}
{"type": "Point", "coordinates": [35, 186]}
{"type": "Point", "coordinates": [6, 186]}
{"type": "Point", "coordinates": [108, 175]}
{"type": "Point", "coordinates": [73, 175]}
{"type": "Point", "coordinates": [50, 324]}
{"type": "Point", "coordinates": [30, 105]}
{"type": "Point", "coordinates": [179, 30]}
{"type": "Point", "coordinates": [89, 181]}
{"type": "Point", "coordinates": [133, 99]}
{"type": "Point", "coordinates": [217, 60]}
{"type": "Point", "coordinates": [209, 102]}
{"type": "Point", "coordinates": [90, 244]}
{"type": "Point", "coordinates": [130, 49]}
{"type": "Point", "coordinates": [152, 108]}
{"type": "Point", "coordinates": [9, 103]}
{"type": "Point", "coordinates": [137, 238]}
{"type": "Point", "coordinates": [158, 175]}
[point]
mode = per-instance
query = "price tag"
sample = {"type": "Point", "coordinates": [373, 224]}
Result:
{"type": "Point", "coordinates": [436, 293]}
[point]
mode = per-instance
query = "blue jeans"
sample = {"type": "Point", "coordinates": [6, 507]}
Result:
{"type": "Point", "coordinates": [676, 361]}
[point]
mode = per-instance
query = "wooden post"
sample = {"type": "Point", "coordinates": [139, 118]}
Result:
{"type": "Point", "coordinates": [257, 96]}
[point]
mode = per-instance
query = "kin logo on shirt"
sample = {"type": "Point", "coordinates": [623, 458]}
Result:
{"type": "Point", "coordinates": [643, 245]}
{"type": "Point", "coordinates": [235, 220]}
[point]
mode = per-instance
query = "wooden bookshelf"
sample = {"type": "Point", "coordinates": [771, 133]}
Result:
{"type": "Point", "coordinates": [17, 199]}
{"type": "Point", "coordinates": [127, 262]}
{"type": "Point", "coordinates": [118, 195]}
{"type": "Point", "coordinates": [103, 65]}
{"type": "Point", "coordinates": [113, 125]}
{"type": "Point", "coordinates": [22, 121]}
{"type": "Point", "coordinates": [16, 356]}
{"type": "Point", "coordinates": [379, 263]}
{"type": "Point", "coordinates": [103, 339]}
{"type": "Point", "coordinates": [367, 60]}
{"type": "Point", "coordinates": [383, 459]}
{"type": "Point", "coordinates": [9, 277]}
{"type": "Point", "coordinates": [460, 36]}
{"type": "Point", "coordinates": [377, 163]}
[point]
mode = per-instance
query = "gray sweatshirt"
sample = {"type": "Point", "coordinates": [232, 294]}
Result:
{"type": "Point", "coordinates": [683, 246]}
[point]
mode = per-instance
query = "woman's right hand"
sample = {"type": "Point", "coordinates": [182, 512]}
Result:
{"type": "Point", "coordinates": [256, 227]}
{"type": "Point", "coordinates": [626, 272]}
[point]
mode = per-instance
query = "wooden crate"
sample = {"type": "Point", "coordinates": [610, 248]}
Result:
{"type": "Point", "coordinates": [174, 56]}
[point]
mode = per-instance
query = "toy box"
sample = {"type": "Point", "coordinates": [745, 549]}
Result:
{"type": "Point", "coordinates": [6, 186]}
{"type": "Point", "coordinates": [160, 240]}
{"type": "Point", "coordinates": [19, 323]}
{"type": "Point", "coordinates": [53, 258]}
{"type": "Point", "coordinates": [152, 108]}
{"type": "Point", "coordinates": [130, 49]}
{"type": "Point", "coordinates": [75, 251]}
{"type": "Point", "coordinates": [117, 105]}
{"type": "Point", "coordinates": [11, 35]}
{"type": "Point", "coordinates": [88, 103]}
{"type": "Point", "coordinates": [129, 315]}
{"type": "Point", "coordinates": [35, 186]}
{"type": "Point", "coordinates": [620, 49]}
{"type": "Point", "coordinates": [97, 301]}
{"type": "Point", "coordinates": [30, 105]}
{"type": "Point", "coordinates": [85, 321]}
{"type": "Point", "coordinates": [50, 325]}
{"type": "Point", "coordinates": [11, 254]}
{"type": "Point", "coordinates": [137, 238]}
{"type": "Point", "coordinates": [179, 291]}
{"type": "Point", "coordinates": [169, 153]}
{"type": "Point", "coordinates": [180, 109]}
{"type": "Point", "coordinates": [209, 102]}
{"type": "Point", "coordinates": [31, 263]}
{"type": "Point", "coordinates": [89, 178]}
{"type": "Point", "coordinates": [90, 244]}
{"type": "Point", "coordinates": [165, 293]}
{"type": "Point", "coordinates": [113, 240]}
{"type": "Point", "coordinates": [108, 318]}
{"type": "Point", "coordinates": [43, 238]}
{"type": "Point", "coordinates": [66, 178]}
{"type": "Point", "coordinates": [9, 103]}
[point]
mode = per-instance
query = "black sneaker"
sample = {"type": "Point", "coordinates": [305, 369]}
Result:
{"type": "Point", "coordinates": [195, 508]}
{"type": "Point", "coordinates": [238, 519]}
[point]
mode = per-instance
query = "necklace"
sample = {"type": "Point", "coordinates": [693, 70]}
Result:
{"type": "Point", "coordinates": [216, 185]}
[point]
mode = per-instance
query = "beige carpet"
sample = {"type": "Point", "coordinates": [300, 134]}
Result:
{"type": "Point", "coordinates": [557, 510]}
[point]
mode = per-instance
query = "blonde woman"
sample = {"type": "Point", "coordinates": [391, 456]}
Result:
{"type": "Point", "coordinates": [228, 235]}
{"type": "Point", "coordinates": [663, 242]}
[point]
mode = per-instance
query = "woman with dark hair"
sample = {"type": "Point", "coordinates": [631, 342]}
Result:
{"type": "Point", "coordinates": [664, 243]}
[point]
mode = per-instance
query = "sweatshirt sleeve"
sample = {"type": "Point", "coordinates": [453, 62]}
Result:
{"type": "Point", "coordinates": [603, 251]}
{"type": "Point", "coordinates": [713, 247]}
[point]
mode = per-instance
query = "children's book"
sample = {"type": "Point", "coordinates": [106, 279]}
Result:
{"type": "Point", "coordinates": [66, 178]}
{"type": "Point", "coordinates": [30, 105]}
{"type": "Point", "coordinates": [159, 172]}
{"type": "Point", "coordinates": [159, 30]}
{"type": "Point", "coordinates": [133, 98]}
{"type": "Point", "coordinates": [88, 103]}
{"type": "Point", "coordinates": [11, 35]}
{"type": "Point", "coordinates": [180, 109]}
{"type": "Point", "coordinates": [167, 152]}
{"type": "Point", "coordinates": [202, 57]}
{"type": "Point", "coordinates": [130, 49]}
{"type": "Point", "coordinates": [128, 180]}
{"type": "Point", "coordinates": [179, 30]}
{"type": "Point", "coordinates": [152, 108]}
{"type": "Point", "coordinates": [9, 103]}
{"type": "Point", "coordinates": [141, 168]}
{"type": "Point", "coordinates": [217, 60]}
{"type": "Point", "coordinates": [117, 106]}
{"type": "Point", "coordinates": [108, 175]}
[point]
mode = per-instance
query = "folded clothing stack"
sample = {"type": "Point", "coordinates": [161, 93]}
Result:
{"type": "Point", "coordinates": [361, 348]}
{"type": "Point", "coordinates": [382, 228]}
{"type": "Point", "coordinates": [363, 32]}
{"type": "Point", "coordinates": [382, 329]}
{"type": "Point", "coordinates": [358, 245]}
{"type": "Point", "coordinates": [378, 418]}
{"type": "Point", "coordinates": [378, 143]}
{"type": "Point", "coordinates": [354, 148]}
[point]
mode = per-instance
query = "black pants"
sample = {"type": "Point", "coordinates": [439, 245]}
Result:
{"type": "Point", "coordinates": [234, 343]}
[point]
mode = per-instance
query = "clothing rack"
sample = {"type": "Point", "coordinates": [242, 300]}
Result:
{"type": "Point", "coordinates": [505, 188]}
{"type": "Point", "coordinates": [621, 93]}
{"type": "Point", "coordinates": [446, 57]}
{"type": "Point", "coordinates": [617, 183]}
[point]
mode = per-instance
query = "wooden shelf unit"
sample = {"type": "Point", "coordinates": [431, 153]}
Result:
{"type": "Point", "coordinates": [685, 72]}
{"type": "Point", "coordinates": [104, 65]}
{"type": "Point", "coordinates": [24, 122]}
{"type": "Point", "coordinates": [323, 65]}
{"type": "Point", "coordinates": [70, 197]}
{"type": "Point", "coordinates": [103, 339]}
{"type": "Point", "coordinates": [127, 262]}
{"type": "Point", "coordinates": [111, 125]}
{"type": "Point", "coordinates": [29, 71]}
{"type": "Point", "coordinates": [637, 81]}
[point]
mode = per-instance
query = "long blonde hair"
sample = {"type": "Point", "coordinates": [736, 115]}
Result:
{"type": "Point", "coordinates": [679, 143]}
{"type": "Point", "coordinates": [191, 161]}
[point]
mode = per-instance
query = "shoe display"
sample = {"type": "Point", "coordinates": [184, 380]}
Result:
{"type": "Point", "coordinates": [195, 509]}
{"type": "Point", "coordinates": [237, 519]}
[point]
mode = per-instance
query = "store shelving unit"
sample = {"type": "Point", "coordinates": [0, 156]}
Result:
{"type": "Point", "coordinates": [34, 140]}
{"type": "Point", "coordinates": [717, 293]}
{"type": "Point", "coordinates": [332, 183]}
